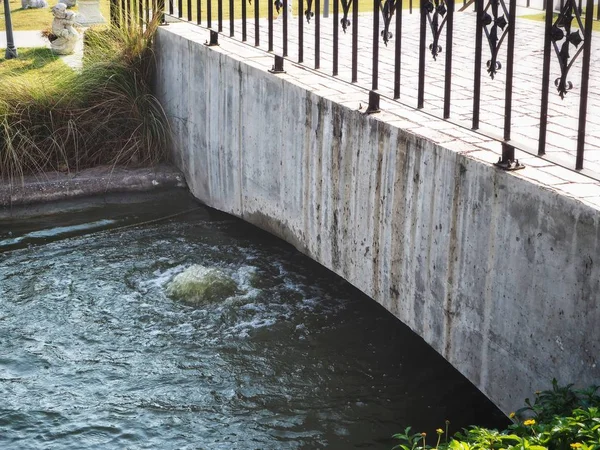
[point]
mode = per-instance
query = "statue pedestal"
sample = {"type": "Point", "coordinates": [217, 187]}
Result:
{"type": "Point", "coordinates": [89, 13]}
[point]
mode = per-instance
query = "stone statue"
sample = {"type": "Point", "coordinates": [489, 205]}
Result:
{"type": "Point", "coordinates": [69, 3]}
{"type": "Point", "coordinates": [26, 4]}
{"type": "Point", "coordinates": [64, 35]}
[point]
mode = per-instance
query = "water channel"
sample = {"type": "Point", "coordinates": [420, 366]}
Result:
{"type": "Point", "coordinates": [94, 354]}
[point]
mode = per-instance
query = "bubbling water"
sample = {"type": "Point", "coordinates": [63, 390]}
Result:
{"type": "Point", "coordinates": [95, 354]}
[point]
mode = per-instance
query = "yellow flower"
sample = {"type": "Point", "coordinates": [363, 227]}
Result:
{"type": "Point", "coordinates": [512, 415]}
{"type": "Point", "coordinates": [439, 431]}
{"type": "Point", "coordinates": [529, 422]}
{"type": "Point", "coordinates": [538, 392]}
{"type": "Point", "coordinates": [576, 445]}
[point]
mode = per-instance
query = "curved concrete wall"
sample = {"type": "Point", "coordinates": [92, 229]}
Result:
{"type": "Point", "coordinates": [498, 274]}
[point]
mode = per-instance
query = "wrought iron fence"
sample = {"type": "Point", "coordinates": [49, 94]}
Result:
{"type": "Point", "coordinates": [567, 40]}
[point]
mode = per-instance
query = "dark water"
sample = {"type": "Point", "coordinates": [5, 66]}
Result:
{"type": "Point", "coordinates": [94, 355]}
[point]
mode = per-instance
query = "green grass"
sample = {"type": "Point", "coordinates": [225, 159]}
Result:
{"type": "Point", "coordinates": [542, 17]}
{"type": "Point", "coordinates": [38, 19]}
{"type": "Point", "coordinates": [52, 118]}
{"type": "Point", "coordinates": [363, 6]}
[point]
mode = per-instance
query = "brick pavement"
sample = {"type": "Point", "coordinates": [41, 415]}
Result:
{"type": "Point", "coordinates": [562, 114]}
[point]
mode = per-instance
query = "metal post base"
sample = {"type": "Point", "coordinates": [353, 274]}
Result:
{"type": "Point", "coordinates": [373, 103]}
{"type": "Point", "coordinates": [509, 164]}
{"type": "Point", "coordinates": [214, 39]}
{"type": "Point", "coordinates": [278, 66]}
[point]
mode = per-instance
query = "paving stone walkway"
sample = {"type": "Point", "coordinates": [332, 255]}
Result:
{"type": "Point", "coordinates": [562, 113]}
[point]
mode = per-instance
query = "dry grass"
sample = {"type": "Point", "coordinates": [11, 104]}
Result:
{"type": "Point", "coordinates": [54, 119]}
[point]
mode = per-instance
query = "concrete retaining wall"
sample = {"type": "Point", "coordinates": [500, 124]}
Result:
{"type": "Point", "coordinates": [498, 274]}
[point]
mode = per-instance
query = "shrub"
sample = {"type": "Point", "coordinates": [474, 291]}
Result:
{"type": "Point", "coordinates": [105, 114]}
{"type": "Point", "coordinates": [558, 419]}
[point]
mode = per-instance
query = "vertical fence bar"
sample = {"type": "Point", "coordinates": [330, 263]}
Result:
{"type": "Point", "coordinates": [220, 15]}
{"type": "Point", "coordinates": [122, 15]}
{"type": "Point", "coordinates": [140, 13]}
{"type": "Point", "coordinates": [209, 13]}
{"type": "Point", "coordinates": [448, 77]}
{"type": "Point", "coordinates": [508, 151]}
{"type": "Point", "coordinates": [585, 76]}
{"type": "Point", "coordinates": [189, 10]}
{"type": "Point", "coordinates": [285, 27]}
{"type": "Point", "coordinates": [545, 78]}
{"type": "Point", "coordinates": [598, 11]}
{"type": "Point", "coordinates": [336, 16]}
{"type": "Point", "coordinates": [270, 9]}
{"type": "Point", "coordinates": [422, 36]}
{"type": "Point", "coordinates": [256, 24]}
{"type": "Point", "coordinates": [375, 66]}
{"type": "Point", "coordinates": [317, 34]}
{"type": "Point", "coordinates": [161, 11]}
{"type": "Point", "coordinates": [477, 74]}
{"type": "Point", "coordinates": [180, 8]}
{"type": "Point", "coordinates": [231, 18]}
{"type": "Point", "coordinates": [398, 49]}
{"type": "Point", "coordinates": [244, 24]}
{"type": "Point", "coordinates": [301, 31]}
{"type": "Point", "coordinates": [198, 12]}
{"type": "Point", "coordinates": [354, 41]}
{"type": "Point", "coordinates": [114, 12]}
{"type": "Point", "coordinates": [170, 8]}
{"type": "Point", "coordinates": [410, 6]}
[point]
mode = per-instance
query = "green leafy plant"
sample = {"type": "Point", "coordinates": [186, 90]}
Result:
{"type": "Point", "coordinates": [562, 418]}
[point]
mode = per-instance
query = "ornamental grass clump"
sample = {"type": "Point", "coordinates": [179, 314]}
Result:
{"type": "Point", "coordinates": [106, 114]}
{"type": "Point", "coordinates": [562, 418]}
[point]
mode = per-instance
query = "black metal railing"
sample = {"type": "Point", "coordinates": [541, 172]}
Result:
{"type": "Point", "coordinates": [566, 41]}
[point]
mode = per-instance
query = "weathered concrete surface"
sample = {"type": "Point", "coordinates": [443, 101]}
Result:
{"type": "Point", "coordinates": [100, 180]}
{"type": "Point", "coordinates": [496, 272]}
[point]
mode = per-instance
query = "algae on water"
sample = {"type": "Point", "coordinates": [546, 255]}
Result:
{"type": "Point", "coordinates": [198, 284]}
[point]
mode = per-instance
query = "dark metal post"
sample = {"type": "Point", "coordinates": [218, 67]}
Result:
{"type": "Point", "coordinates": [421, 84]}
{"type": "Point", "coordinates": [114, 12]}
{"type": "Point", "coordinates": [219, 15]}
{"type": "Point", "coordinates": [317, 34]}
{"type": "Point", "coordinates": [477, 75]}
{"type": "Point", "coordinates": [375, 66]}
{"type": "Point", "coordinates": [244, 19]}
{"type": "Point", "coordinates": [231, 18]}
{"type": "Point", "coordinates": [270, 9]}
{"type": "Point", "coordinates": [189, 10]}
{"type": "Point", "coordinates": [198, 12]}
{"type": "Point", "coordinates": [256, 23]}
{"type": "Point", "coordinates": [11, 50]}
{"type": "Point", "coordinates": [354, 41]}
{"type": "Point", "coordinates": [209, 13]}
{"type": "Point", "coordinates": [180, 8]}
{"type": "Point", "coordinates": [160, 7]}
{"type": "Point", "coordinates": [285, 27]}
{"type": "Point", "coordinates": [545, 78]}
{"type": "Point", "coordinates": [585, 76]}
{"type": "Point", "coordinates": [123, 17]}
{"type": "Point", "coordinates": [448, 78]}
{"type": "Point", "coordinates": [140, 13]}
{"type": "Point", "coordinates": [336, 14]}
{"type": "Point", "coordinates": [301, 31]}
{"type": "Point", "coordinates": [170, 8]}
{"type": "Point", "coordinates": [398, 49]}
{"type": "Point", "coordinates": [508, 151]}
